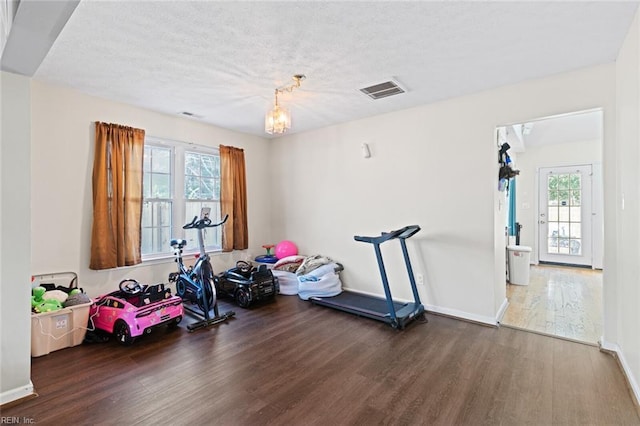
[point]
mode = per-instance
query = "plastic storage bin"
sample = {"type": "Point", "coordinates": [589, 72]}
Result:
{"type": "Point", "coordinates": [519, 263]}
{"type": "Point", "coordinates": [61, 329]}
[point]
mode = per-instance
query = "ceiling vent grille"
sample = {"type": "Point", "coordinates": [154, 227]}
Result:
{"type": "Point", "coordinates": [189, 114]}
{"type": "Point", "coordinates": [382, 90]}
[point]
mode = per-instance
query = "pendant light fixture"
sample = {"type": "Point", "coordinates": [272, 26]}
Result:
{"type": "Point", "coordinates": [278, 120]}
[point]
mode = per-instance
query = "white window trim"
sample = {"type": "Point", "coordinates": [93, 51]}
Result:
{"type": "Point", "coordinates": [178, 219]}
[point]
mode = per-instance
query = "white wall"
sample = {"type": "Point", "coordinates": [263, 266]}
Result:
{"type": "Point", "coordinates": [15, 243]}
{"type": "Point", "coordinates": [62, 162]}
{"type": "Point", "coordinates": [435, 166]}
{"type": "Point", "coordinates": [623, 244]}
{"type": "Point", "coordinates": [528, 162]}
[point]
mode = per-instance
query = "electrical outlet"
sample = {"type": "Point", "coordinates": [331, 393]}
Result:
{"type": "Point", "coordinates": [419, 279]}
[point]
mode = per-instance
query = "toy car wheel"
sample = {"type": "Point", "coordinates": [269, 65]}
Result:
{"type": "Point", "coordinates": [122, 333]}
{"type": "Point", "coordinates": [242, 298]}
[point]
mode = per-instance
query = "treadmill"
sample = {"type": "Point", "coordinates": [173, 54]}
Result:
{"type": "Point", "coordinates": [396, 314]}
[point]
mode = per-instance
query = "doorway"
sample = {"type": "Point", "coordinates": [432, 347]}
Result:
{"type": "Point", "coordinates": [558, 208]}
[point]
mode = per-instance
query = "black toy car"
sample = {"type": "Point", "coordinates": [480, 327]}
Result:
{"type": "Point", "coordinates": [247, 284]}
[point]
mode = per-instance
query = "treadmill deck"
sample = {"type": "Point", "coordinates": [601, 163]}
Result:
{"type": "Point", "coordinates": [370, 307]}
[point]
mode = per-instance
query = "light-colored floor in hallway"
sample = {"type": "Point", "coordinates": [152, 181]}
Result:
{"type": "Point", "coordinates": [562, 301]}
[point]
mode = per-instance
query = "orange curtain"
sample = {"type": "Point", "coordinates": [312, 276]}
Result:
{"type": "Point", "coordinates": [233, 198]}
{"type": "Point", "coordinates": [117, 196]}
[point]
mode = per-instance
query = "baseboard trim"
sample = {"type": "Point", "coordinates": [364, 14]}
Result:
{"type": "Point", "coordinates": [570, 265]}
{"type": "Point", "coordinates": [446, 312]}
{"type": "Point", "coordinates": [502, 310]}
{"type": "Point", "coordinates": [626, 370]}
{"type": "Point", "coordinates": [461, 315]}
{"type": "Point", "coordinates": [21, 392]}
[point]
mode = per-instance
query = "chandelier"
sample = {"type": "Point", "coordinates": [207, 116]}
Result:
{"type": "Point", "coordinates": [278, 120]}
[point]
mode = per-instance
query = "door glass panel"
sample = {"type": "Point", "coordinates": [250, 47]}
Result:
{"type": "Point", "coordinates": [575, 214]}
{"type": "Point", "coordinates": [575, 247]}
{"type": "Point", "coordinates": [563, 181]}
{"type": "Point", "coordinates": [564, 215]}
{"type": "Point", "coordinates": [575, 230]}
{"type": "Point", "coordinates": [552, 240]}
{"type": "Point", "coordinates": [575, 181]}
{"type": "Point", "coordinates": [575, 197]}
{"type": "Point", "coordinates": [563, 197]}
{"type": "Point", "coordinates": [563, 229]}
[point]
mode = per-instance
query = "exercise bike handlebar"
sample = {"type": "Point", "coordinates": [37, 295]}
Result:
{"type": "Point", "coordinates": [205, 222]}
{"type": "Point", "coordinates": [403, 233]}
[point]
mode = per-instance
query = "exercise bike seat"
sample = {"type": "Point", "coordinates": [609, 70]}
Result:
{"type": "Point", "coordinates": [179, 243]}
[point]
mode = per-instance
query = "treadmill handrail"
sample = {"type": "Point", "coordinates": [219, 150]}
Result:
{"type": "Point", "coordinates": [404, 233]}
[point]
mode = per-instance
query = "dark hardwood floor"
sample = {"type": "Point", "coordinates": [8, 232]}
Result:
{"type": "Point", "coordinates": [290, 362]}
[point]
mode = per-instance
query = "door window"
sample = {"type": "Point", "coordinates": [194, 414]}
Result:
{"type": "Point", "coordinates": [564, 214]}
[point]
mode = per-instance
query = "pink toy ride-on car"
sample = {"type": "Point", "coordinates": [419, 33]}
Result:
{"type": "Point", "coordinates": [135, 310]}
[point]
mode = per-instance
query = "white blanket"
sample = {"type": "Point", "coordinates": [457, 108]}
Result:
{"type": "Point", "coordinates": [321, 282]}
{"type": "Point", "coordinates": [288, 282]}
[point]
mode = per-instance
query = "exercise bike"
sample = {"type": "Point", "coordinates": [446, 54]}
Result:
{"type": "Point", "coordinates": [195, 283]}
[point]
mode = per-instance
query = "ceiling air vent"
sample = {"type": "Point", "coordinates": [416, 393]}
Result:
{"type": "Point", "coordinates": [189, 114]}
{"type": "Point", "coordinates": [382, 90]}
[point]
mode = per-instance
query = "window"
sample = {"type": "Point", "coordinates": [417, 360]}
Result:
{"type": "Point", "coordinates": [201, 185]}
{"type": "Point", "coordinates": [179, 180]}
{"type": "Point", "coordinates": [157, 195]}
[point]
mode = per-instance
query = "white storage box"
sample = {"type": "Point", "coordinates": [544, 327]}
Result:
{"type": "Point", "coordinates": [60, 329]}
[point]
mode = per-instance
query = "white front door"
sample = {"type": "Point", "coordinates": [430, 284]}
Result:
{"type": "Point", "coordinates": [564, 215]}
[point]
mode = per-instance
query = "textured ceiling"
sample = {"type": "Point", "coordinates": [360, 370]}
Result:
{"type": "Point", "coordinates": [222, 60]}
